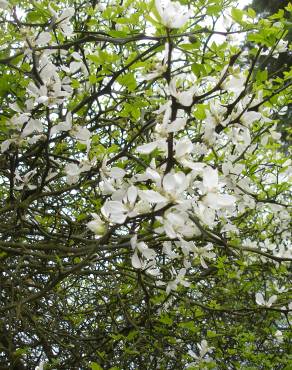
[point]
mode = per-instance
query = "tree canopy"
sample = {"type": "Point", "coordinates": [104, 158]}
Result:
{"type": "Point", "coordinates": [145, 220]}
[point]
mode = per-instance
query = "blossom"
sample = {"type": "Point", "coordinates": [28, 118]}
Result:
{"type": "Point", "coordinates": [73, 171]}
{"type": "Point", "coordinates": [145, 259]}
{"type": "Point", "coordinates": [179, 279]}
{"type": "Point", "coordinates": [262, 302]}
{"type": "Point", "coordinates": [203, 348]}
{"type": "Point", "coordinates": [97, 226]}
{"type": "Point", "coordinates": [83, 135]}
{"type": "Point", "coordinates": [63, 20]}
{"type": "Point", "coordinates": [213, 198]}
{"type": "Point", "coordinates": [62, 126]}
{"type": "Point", "coordinates": [172, 14]}
{"type": "Point", "coordinates": [282, 46]}
{"type": "Point", "coordinates": [235, 83]}
{"type": "Point", "coordinates": [123, 206]}
{"type": "Point", "coordinates": [250, 117]}
{"type": "Point", "coordinates": [177, 224]}
{"type": "Point", "coordinates": [25, 179]}
{"type": "Point", "coordinates": [33, 125]}
{"type": "Point", "coordinates": [185, 98]}
{"type": "Point", "coordinates": [204, 252]}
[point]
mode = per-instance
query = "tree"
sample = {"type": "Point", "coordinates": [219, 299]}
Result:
{"type": "Point", "coordinates": [144, 195]}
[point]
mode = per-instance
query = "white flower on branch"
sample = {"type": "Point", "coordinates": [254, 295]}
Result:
{"type": "Point", "coordinates": [62, 126]}
{"type": "Point", "coordinates": [97, 226]}
{"type": "Point", "coordinates": [25, 180]}
{"type": "Point", "coordinates": [185, 98]}
{"type": "Point", "coordinates": [143, 257]}
{"type": "Point", "coordinates": [179, 278]}
{"type": "Point", "coordinates": [235, 83]}
{"type": "Point", "coordinates": [83, 135]}
{"type": "Point", "coordinates": [33, 125]}
{"type": "Point", "coordinates": [73, 171]}
{"type": "Point", "coordinates": [122, 206]}
{"type": "Point", "coordinates": [204, 253]}
{"type": "Point", "coordinates": [213, 198]}
{"type": "Point", "coordinates": [262, 302]}
{"type": "Point", "coordinates": [203, 348]}
{"type": "Point", "coordinates": [43, 38]}
{"type": "Point", "coordinates": [62, 21]}
{"type": "Point", "coordinates": [173, 14]}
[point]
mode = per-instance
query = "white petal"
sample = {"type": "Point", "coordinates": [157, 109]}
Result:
{"type": "Point", "coordinates": [176, 125]}
{"type": "Point", "coordinates": [151, 196]}
{"type": "Point", "coordinates": [132, 194]}
{"type": "Point", "coordinates": [44, 38]}
{"type": "Point", "coordinates": [147, 148]}
{"type": "Point", "coordinates": [260, 299]}
{"type": "Point", "coordinates": [217, 201]}
{"type": "Point", "coordinates": [183, 146]}
{"type": "Point", "coordinates": [210, 178]}
{"type": "Point", "coordinates": [249, 117]}
{"type": "Point", "coordinates": [74, 67]}
{"type": "Point", "coordinates": [271, 300]}
{"type": "Point", "coordinates": [72, 169]}
{"type": "Point", "coordinates": [117, 173]}
{"type": "Point", "coordinates": [136, 262]}
{"type": "Point", "coordinates": [5, 145]}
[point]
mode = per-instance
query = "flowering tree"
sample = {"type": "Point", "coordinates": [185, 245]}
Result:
{"type": "Point", "coordinates": [144, 199]}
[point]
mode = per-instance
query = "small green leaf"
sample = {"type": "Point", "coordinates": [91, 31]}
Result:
{"type": "Point", "coordinates": [95, 366]}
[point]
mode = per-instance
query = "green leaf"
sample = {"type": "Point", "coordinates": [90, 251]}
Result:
{"type": "Point", "coordinates": [128, 80]}
{"type": "Point", "coordinates": [95, 366]}
{"type": "Point", "coordinates": [237, 14]}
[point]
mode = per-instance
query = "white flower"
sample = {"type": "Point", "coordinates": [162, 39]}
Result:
{"type": "Point", "coordinates": [174, 184]}
{"type": "Point", "coordinates": [147, 148]}
{"type": "Point", "coordinates": [5, 145]}
{"type": "Point", "coordinates": [250, 117]}
{"type": "Point", "coordinates": [31, 126]}
{"type": "Point", "coordinates": [83, 135]}
{"type": "Point", "coordinates": [101, 7]}
{"type": "Point", "coordinates": [211, 185]}
{"type": "Point", "coordinates": [203, 348]}
{"type": "Point", "coordinates": [185, 98]}
{"type": "Point", "coordinates": [72, 171]}
{"type": "Point", "coordinates": [25, 179]}
{"type": "Point", "coordinates": [279, 336]}
{"type": "Point", "coordinates": [282, 46]}
{"type": "Point", "coordinates": [40, 366]}
{"type": "Point", "coordinates": [234, 83]}
{"type": "Point", "coordinates": [97, 226]}
{"type": "Point", "coordinates": [203, 252]}
{"type": "Point", "coordinates": [117, 173]}
{"type": "Point", "coordinates": [261, 301]}
{"type": "Point", "coordinates": [177, 224]}
{"type": "Point", "coordinates": [115, 211]}
{"type": "Point", "coordinates": [44, 38]}
{"type": "Point", "coordinates": [62, 126]}
{"type": "Point", "coordinates": [151, 196]}
{"type": "Point", "coordinates": [63, 21]}
{"type": "Point", "coordinates": [146, 254]}
{"type": "Point", "coordinates": [217, 201]}
{"type": "Point", "coordinates": [183, 147]}
{"type": "Point", "coordinates": [179, 279]}
{"type": "Point", "coordinates": [176, 125]}
{"type": "Point", "coordinates": [173, 14]}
